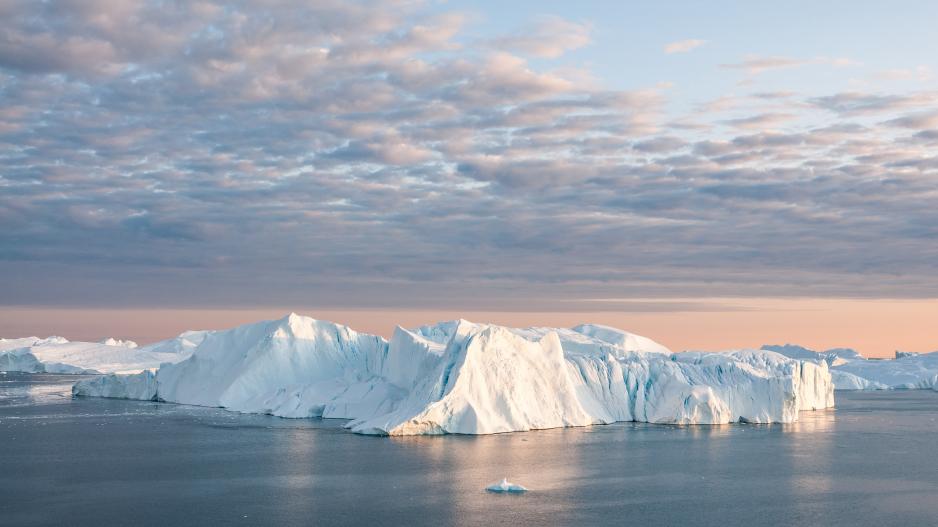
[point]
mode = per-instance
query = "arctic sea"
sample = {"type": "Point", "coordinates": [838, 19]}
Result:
{"type": "Point", "coordinates": [65, 461]}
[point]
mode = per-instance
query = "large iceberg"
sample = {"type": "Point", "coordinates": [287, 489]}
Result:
{"type": "Point", "coordinates": [467, 378]}
{"type": "Point", "coordinates": [58, 355]}
{"type": "Point", "coordinates": [850, 371]}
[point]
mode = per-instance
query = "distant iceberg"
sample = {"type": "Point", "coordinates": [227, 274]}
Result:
{"type": "Point", "coordinates": [118, 342]}
{"type": "Point", "coordinates": [505, 486]}
{"type": "Point", "coordinates": [850, 371]}
{"type": "Point", "coordinates": [58, 355]}
{"type": "Point", "coordinates": [832, 356]}
{"type": "Point", "coordinates": [460, 377]}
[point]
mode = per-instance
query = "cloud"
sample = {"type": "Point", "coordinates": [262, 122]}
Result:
{"type": "Point", "coordinates": [660, 144]}
{"type": "Point", "coordinates": [919, 73]}
{"type": "Point", "coordinates": [349, 154]}
{"type": "Point", "coordinates": [917, 121]}
{"type": "Point", "coordinates": [857, 103]}
{"type": "Point", "coordinates": [759, 121]}
{"type": "Point", "coordinates": [755, 65]}
{"type": "Point", "coordinates": [683, 46]}
{"type": "Point", "coordinates": [548, 37]}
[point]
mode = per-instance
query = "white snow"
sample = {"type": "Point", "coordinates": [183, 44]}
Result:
{"type": "Point", "coordinates": [908, 373]}
{"type": "Point", "coordinates": [622, 340]}
{"type": "Point", "coordinates": [850, 371]}
{"type": "Point", "coordinates": [183, 344]}
{"type": "Point", "coordinates": [118, 342]}
{"type": "Point", "coordinates": [58, 355]}
{"type": "Point", "coordinates": [505, 486]}
{"type": "Point", "coordinates": [12, 344]}
{"type": "Point", "coordinates": [849, 381]}
{"type": "Point", "coordinates": [832, 356]}
{"type": "Point", "coordinates": [467, 378]}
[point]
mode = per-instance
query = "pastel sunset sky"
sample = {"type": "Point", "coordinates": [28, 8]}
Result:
{"type": "Point", "coordinates": [710, 174]}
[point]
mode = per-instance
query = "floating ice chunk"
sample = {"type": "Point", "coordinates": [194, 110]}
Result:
{"type": "Point", "coordinates": [505, 486]}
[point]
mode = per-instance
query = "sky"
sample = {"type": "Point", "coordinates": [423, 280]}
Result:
{"type": "Point", "coordinates": [724, 174]}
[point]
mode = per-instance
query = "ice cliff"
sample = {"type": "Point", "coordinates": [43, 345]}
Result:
{"type": "Point", "coordinates": [462, 377]}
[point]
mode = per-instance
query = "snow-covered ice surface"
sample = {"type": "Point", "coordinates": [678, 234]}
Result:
{"type": "Point", "coordinates": [506, 486]}
{"type": "Point", "coordinates": [910, 373]}
{"type": "Point", "coordinates": [110, 341]}
{"type": "Point", "coordinates": [467, 378]}
{"type": "Point", "coordinates": [184, 344]}
{"type": "Point", "coordinates": [832, 356]}
{"type": "Point", "coordinates": [58, 355]}
{"type": "Point", "coordinates": [850, 371]}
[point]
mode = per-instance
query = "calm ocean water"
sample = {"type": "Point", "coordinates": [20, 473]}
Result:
{"type": "Point", "coordinates": [63, 461]}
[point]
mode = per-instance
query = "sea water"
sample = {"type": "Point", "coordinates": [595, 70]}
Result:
{"type": "Point", "coordinates": [871, 461]}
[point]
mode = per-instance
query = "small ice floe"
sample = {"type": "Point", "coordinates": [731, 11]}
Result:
{"type": "Point", "coordinates": [505, 486]}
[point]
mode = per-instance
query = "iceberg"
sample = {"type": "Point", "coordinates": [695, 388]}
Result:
{"type": "Point", "coordinates": [184, 344]}
{"type": "Point", "coordinates": [118, 342]}
{"type": "Point", "coordinates": [505, 486]}
{"type": "Point", "coordinates": [904, 373]}
{"type": "Point", "coordinates": [832, 356]}
{"type": "Point", "coordinates": [58, 355]}
{"type": "Point", "coordinates": [140, 386]}
{"type": "Point", "coordinates": [460, 377]}
{"type": "Point", "coordinates": [851, 371]}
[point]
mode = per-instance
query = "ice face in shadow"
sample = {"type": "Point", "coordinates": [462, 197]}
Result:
{"type": "Point", "coordinates": [467, 378]}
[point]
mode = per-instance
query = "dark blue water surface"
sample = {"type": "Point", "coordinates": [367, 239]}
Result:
{"type": "Point", "coordinates": [64, 461]}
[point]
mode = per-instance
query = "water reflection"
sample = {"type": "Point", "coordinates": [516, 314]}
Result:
{"type": "Point", "coordinates": [298, 468]}
{"type": "Point", "coordinates": [872, 461]}
{"type": "Point", "coordinates": [812, 422]}
{"type": "Point", "coordinates": [809, 449]}
{"type": "Point", "coordinates": [619, 466]}
{"type": "Point", "coordinates": [23, 390]}
{"type": "Point", "coordinates": [458, 468]}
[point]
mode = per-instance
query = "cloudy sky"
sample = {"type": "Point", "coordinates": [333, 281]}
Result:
{"type": "Point", "coordinates": [486, 156]}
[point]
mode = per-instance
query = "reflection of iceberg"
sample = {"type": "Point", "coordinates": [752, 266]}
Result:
{"type": "Point", "coordinates": [465, 378]}
{"type": "Point", "coordinates": [505, 486]}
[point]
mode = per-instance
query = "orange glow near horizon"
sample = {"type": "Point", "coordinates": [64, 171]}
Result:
{"type": "Point", "coordinates": [874, 327]}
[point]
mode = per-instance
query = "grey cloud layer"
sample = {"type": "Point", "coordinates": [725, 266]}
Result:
{"type": "Point", "coordinates": [356, 154]}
